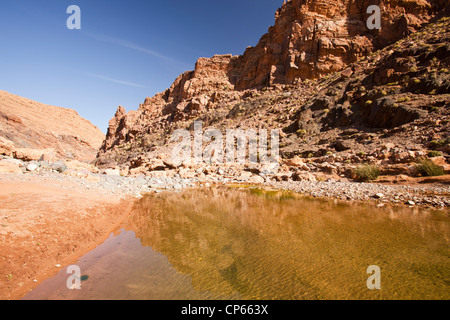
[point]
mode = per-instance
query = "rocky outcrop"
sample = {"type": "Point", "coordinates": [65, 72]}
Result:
{"type": "Point", "coordinates": [29, 130]}
{"type": "Point", "coordinates": [398, 85]}
{"type": "Point", "coordinates": [310, 39]}
{"type": "Point", "coordinates": [269, 83]}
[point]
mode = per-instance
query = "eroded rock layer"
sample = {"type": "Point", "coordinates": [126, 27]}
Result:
{"type": "Point", "coordinates": [308, 76]}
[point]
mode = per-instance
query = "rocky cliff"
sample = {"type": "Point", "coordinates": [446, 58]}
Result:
{"type": "Point", "coordinates": [312, 38]}
{"type": "Point", "coordinates": [286, 81]}
{"type": "Point", "coordinates": [29, 129]}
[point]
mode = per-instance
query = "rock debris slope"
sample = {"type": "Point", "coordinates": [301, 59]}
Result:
{"type": "Point", "coordinates": [29, 129]}
{"type": "Point", "coordinates": [339, 92]}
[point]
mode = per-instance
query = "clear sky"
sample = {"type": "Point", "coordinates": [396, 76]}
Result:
{"type": "Point", "coordinates": [125, 51]}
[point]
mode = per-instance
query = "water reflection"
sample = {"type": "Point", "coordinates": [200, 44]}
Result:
{"type": "Point", "coordinates": [274, 245]}
{"type": "Point", "coordinates": [249, 244]}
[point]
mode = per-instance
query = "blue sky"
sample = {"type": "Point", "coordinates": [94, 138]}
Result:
{"type": "Point", "coordinates": [125, 51]}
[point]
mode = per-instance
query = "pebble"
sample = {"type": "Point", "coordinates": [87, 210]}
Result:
{"type": "Point", "coordinates": [32, 167]}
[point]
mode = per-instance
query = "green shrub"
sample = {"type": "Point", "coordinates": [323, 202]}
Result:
{"type": "Point", "coordinates": [428, 169]}
{"type": "Point", "coordinates": [433, 154]}
{"type": "Point", "coordinates": [434, 109]}
{"type": "Point", "coordinates": [437, 144]}
{"type": "Point", "coordinates": [367, 172]}
{"type": "Point", "coordinates": [403, 99]}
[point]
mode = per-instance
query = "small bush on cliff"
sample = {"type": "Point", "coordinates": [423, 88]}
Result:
{"type": "Point", "coordinates": [440, 143]}
{"type": "Point", "coordinates": [366, 172]}
{"type": "Point", "coordinates": [428, 169]}
{"type": "Point", "coordinates": [433, 154]}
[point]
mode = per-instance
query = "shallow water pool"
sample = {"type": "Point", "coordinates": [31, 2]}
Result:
{"type": "Point", "coordinates": [242, 243]}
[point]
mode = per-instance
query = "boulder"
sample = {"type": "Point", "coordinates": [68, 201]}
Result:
{"type": "Point", "coordinates": [283, 176]}
{"type": "Point", "coordinates": [439, 161]}
{"type": "Point", "coordinates": [446, 168]}
{"type": "Point", "coordinates": [269, 168]}
{"type": "Point", "coordinates": [186, 173]}
{"type": "Point", "coordinates": [294, 162]}
{"type": "Point", "coordinates": [245, 175]}
{"type": "Point", "coordinates": [32, 167]}
{"type": "Point", "coordinates": [346, 73]}
{"type": "Point", "coordinates": [303, 176]}
{"type": "Point", "coordinates": [6, 146]}
{"type": "Point", "coordinates": [59, 166]}
{"type": "Point", "coordinates": [125, 171]}
{"type": "Point", "coordinates": [342, 145]}
{"type": "Point", "coordinates": [75, 164]}
{"type": "Point", "coordinates": [48, 155]}
{"type": "Point", "coordinates": [27, 154]}
{"type": "Point", "coordinates": [137, 171]}
{"type": "Point", "coordinates": [156, 165]}
{"type": "Point", "coordinates": [256, 179]}
{"type": "Point", "coordinates": [328, 168]}
{"type": "Point", "coordinates": [387, 146]}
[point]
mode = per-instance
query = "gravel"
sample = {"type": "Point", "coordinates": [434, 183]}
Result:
{"type": "Point", "coordinates": [430, 195]}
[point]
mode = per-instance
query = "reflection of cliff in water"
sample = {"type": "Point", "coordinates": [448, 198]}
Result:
{"type": "Point", "coordinates": [274, 245]}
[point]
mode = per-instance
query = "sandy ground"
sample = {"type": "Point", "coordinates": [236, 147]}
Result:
{"type": "Point", "coordinates": [43, 225]}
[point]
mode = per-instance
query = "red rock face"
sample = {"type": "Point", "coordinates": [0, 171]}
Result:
{"type": "Point", "coordinates": [27, 126]}
{"type": "Point", "coordinates": [312, 38]}
{"type": "Point", "coordinates": [309, 40]}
